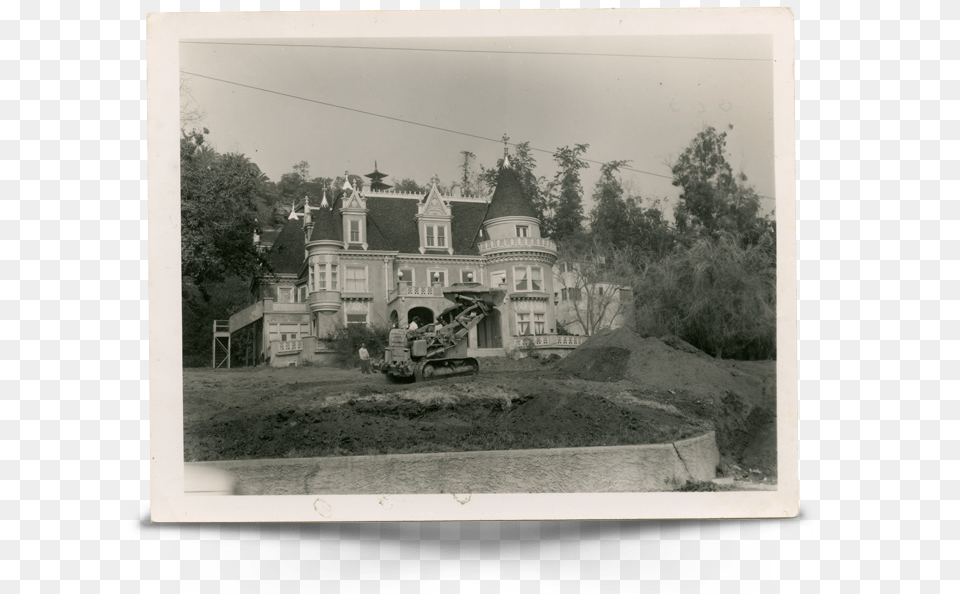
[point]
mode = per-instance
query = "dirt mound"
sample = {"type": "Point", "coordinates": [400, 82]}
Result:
{"type": "Point", "coordinates": [681, 345]}
{"type": "Point", "coordinates": [731, 395]}
{"type": "Point", "coordinates": [657, 365]}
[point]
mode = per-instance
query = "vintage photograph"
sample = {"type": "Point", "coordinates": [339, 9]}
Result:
{"type": "Point", "coordinates": [464, 265]}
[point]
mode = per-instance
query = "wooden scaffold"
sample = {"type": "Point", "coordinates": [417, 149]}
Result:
{"type": "Point", "coordinates": [221, 344]}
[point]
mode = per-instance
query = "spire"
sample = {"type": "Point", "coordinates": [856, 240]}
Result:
{"type": "Point", "coordinates": [506, 161]}
{"type": "Point", "coordinates": [293, 209]}
{"type": "Point", "coordinates": [508, 199]}
{"type": "Point", "coordinates": [324, 203]}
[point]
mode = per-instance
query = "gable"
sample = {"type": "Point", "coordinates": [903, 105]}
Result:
{"type": "Point", "coordinates": [433, 206]}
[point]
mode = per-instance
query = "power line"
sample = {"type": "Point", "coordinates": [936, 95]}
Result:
{"type": "Point", "coordinates": [401, 120]}
{"type": "Point", "coordinates": [466, 51]}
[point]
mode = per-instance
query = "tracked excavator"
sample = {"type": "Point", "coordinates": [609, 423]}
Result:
{"type": "Point", "coordinates": [439, 350]}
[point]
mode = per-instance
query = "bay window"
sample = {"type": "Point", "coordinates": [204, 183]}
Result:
{"type": "Point", "coordinates": [528, 278]}
{"type": "Point", "coordinates": [323, 277]}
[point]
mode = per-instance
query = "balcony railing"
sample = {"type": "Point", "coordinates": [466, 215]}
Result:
{"type": "Point", "coordinates": [289, 347]}
{"type": "Point", "coordinates": [406, 290]}
{"type": "Point", "coordinates": [549, 340]}
{"type": "Point", "coordinates": [518, 243]}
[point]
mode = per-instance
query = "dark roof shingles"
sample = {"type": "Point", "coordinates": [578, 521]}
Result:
{"type": "Point", "coordinates": [286, 255]}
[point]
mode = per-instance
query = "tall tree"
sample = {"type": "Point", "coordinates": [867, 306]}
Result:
{"type": "Point", "coordinates": [218, 210]}
{"type": "Point", "coordinates": [568, 220]}
{"type": "Point", "coordinates": [466, 172]}
{"type": "Point", "coordinates": [712, 198]}
{"type": "Point", "coordinates": [610, 217]}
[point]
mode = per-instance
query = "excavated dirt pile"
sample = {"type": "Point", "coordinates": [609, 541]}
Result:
{"type": "Point", "coordinates": [740, 404]}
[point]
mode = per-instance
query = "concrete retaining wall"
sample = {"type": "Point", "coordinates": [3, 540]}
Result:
{"type": "Point", "coordinates": [625, 469]}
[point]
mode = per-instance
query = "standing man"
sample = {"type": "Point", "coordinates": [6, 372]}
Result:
{"type": "Point", "coordinates": [364, 360]}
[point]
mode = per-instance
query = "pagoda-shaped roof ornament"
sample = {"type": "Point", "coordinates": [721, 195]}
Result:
{"type": "Point", "coordinates": [376, 178]}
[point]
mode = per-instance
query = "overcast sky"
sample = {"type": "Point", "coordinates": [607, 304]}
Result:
{"type": "Point", "coordinates": [646, 109]}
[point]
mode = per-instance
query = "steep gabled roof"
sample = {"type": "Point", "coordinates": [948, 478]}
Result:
{"type": "Point", "coordinates": [327, 222]}
{"type": "Point", "coordinates": [286, 255]}
{"type": "Point", "coordinates": [508, 199]}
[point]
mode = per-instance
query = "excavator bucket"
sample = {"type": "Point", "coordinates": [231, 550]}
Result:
{"type": "Point", "coordinates": [490, 297]}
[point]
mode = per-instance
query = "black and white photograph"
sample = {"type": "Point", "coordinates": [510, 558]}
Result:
{"type": "Point", "coordinates": [466, 260]}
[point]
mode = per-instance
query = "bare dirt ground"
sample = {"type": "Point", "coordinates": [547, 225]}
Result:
{"type": "Point", "coordinates": [619, 390]}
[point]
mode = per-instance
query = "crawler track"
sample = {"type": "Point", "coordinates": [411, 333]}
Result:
{"type": "Point", "coordinates": [443, 368]}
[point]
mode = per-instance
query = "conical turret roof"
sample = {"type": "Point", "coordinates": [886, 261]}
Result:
{"type": "Point", "coordinates": [508, 199]}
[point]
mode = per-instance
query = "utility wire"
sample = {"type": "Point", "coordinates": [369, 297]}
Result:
{"type": "Point", "coordinates": [466, 51]}
{"type": "Point", "coordinates": [411, 122]}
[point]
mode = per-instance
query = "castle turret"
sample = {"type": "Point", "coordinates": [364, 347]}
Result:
{"type": "Point", "coordinates": [323, 258]}
{"type": "Point", "coordinates": [511, 213]}
{"type": "Point", "coordinates": [517, 257]}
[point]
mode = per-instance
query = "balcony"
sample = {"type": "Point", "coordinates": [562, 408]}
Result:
{"type": "Point", "coordinates": [407, 290]}
{"type": "Point", "coordinates": [325, 302]}
{"type": "Point", "coordinates": [509, 244]}
{"type": "Point", "coordinates": [549, 340]}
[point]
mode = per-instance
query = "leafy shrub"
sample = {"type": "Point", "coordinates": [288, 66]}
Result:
{"type": "Point", "coordinates": [346, 341]}
{"type": "Point", "coordinates": [717, 294]}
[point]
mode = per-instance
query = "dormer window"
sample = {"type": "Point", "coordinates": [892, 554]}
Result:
{"type": "Point", "coordinates": [523, 231]}
{"type": "Point", "coordinates": [354, 231]}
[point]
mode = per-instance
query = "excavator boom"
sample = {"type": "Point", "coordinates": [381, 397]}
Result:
{"type": "Point", "coordinates": [438, 350]}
